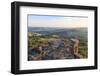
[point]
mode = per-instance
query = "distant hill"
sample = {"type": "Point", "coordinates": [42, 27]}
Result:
{"type": "Point", "coordinates": [80, 33]}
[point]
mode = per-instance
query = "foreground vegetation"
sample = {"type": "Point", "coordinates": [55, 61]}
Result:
{"type": "Point", "coordinates": [47, 47]}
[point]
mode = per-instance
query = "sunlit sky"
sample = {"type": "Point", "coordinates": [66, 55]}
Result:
{"type": "Point", "coordinates": [57, 21]}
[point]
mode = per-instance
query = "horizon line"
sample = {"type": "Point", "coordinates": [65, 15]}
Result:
{"type": "Point", "coordinates": [57, 27]}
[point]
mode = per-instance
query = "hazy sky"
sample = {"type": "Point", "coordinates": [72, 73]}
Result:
{"type": "Point", "coordinates": [57, 21]}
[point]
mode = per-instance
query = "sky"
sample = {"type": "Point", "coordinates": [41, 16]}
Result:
{"type": "Point", "coordinates": [57, 21]}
